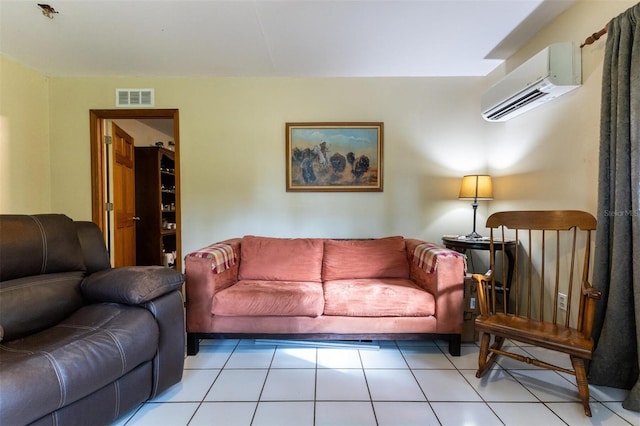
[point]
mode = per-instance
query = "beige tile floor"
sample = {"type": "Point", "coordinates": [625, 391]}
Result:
{"type": "Point", "coordinates": [233, 382]}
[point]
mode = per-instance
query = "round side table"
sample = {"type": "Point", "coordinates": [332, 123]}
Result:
{"type": "Point", "coordinates": [462, 244]}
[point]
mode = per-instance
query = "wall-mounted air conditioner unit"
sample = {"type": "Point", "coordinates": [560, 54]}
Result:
{"type": "Point", "coordinates": [552, 72]}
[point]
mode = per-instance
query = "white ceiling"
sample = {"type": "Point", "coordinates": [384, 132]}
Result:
{"type": "Point", "coordinates": [323, 38]}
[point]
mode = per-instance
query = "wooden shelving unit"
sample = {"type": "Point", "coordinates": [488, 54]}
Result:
{"type": "Point", "coordinates": [157, 207]}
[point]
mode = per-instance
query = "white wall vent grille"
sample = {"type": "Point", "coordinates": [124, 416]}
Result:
{"type": "Point", "coordinates": [135, 97]}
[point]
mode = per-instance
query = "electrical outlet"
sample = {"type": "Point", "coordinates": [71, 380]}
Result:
{"type": "Point", "coordinates": [562, 301]}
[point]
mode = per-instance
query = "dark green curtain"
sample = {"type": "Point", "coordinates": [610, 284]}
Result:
{"type": "Point", "coordinates": [617, 253]}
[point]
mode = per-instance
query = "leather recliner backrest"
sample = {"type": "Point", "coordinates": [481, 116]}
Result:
{"type": "Point", "coordinates": [41, 268]}
{"type": "Point", "coordinates": [38, 244]}
{"type": "Point", "coordinates": [96, 256]}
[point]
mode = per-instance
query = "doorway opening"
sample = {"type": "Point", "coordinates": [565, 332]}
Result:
{"type": "Point", "coordinates": [103, 190]}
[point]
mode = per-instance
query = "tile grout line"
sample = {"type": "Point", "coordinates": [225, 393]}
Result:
{"type": "Point", "coordinates": [264, 383]}
{"type": "Point", "coordinates": [315, 387]}
{"type": "Point", "coordinates": [475, 390]}
{"type": "Point", "coordinates": [366, 382]}
{"type": "Point", "coordinates": [221, 369]}
{"type": "Point", "coordinates": [421, 390]}
{"type": "Point", "coordinates": [380, 364]}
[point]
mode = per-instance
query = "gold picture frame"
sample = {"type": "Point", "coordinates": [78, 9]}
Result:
{"type": "Point", "coordinates": [334, 157]}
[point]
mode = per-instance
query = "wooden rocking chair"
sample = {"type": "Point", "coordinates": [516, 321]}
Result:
{"type": "Point", "coordinates": [552, 241]}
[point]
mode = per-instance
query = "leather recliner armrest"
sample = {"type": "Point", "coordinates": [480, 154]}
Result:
{"type": "Point", "coordinates": [131, 285]}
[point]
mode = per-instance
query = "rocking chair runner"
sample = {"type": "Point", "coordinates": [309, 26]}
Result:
{"type": "Point", "coordinates": [553, 240]}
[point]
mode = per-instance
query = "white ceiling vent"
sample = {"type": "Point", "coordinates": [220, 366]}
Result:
{"type": "Point", "coordinates": [134, 97]}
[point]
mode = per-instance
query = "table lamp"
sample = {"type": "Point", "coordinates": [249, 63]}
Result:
{"type": "Point", "coordinates": [476, 187]}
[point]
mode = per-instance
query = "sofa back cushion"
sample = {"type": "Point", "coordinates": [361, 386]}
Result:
{"type": "Point", "coordinates": [280, 259]}
{"type": "Point", "coordinates": [38, 244]}
{"type": "Point", "coordinates": [379, 258]}
{"type": "Point", "coordinates": [32, 304]}
{"type": "Point", "coordinates": [96, 256]}
{"type": "Point", "coordinates": [41, 268]}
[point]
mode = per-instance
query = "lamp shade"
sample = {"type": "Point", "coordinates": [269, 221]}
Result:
{"type": "Point", "coordinates": [476, 187]}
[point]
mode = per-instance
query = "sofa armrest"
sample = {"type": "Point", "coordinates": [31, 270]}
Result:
{"type": "Point", "coordinates": [131, 285]}
{"type": "Point", "coordinates": [168, 364]}
{"type": "Point", "coordinates": [446, 284]}
{"type": "Point", "coordinates": [154, 288]}
{"type": "Point", "coordinates": [202, 283]}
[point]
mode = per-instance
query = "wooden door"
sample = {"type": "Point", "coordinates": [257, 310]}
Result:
{"type": "Point", "coordinates": [102, 168]}
{"type": "Point", "coordinates": [124, 198]}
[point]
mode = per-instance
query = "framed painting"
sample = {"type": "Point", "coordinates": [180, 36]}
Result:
{"type": "Point", "coordinates": [334, 157]}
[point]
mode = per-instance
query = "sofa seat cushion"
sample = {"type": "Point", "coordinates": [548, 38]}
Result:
{"type": "Point", "coordinates": [379, 258]}
{"type": "Point", "coordinates": [377, 297]}
{"type": "Point", "coordinates": [280, 259]}
{"type": "Point", "coordinates": [60, 365]}
{"type": "Point", "coordinates": [279, 298]}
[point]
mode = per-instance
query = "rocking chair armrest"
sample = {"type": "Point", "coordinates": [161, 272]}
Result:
{"type": "Point", "coordinates": [483, 297]}
{"type": "Point", "coordinates": [486, 277]}
{"type": "Point", "coordinates": [590, 292]}
{"type": "Point", "coordinates": [588, 308]}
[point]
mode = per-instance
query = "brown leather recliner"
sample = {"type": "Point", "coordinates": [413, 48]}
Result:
{"type": "Point", "coordinates": [81, 342]}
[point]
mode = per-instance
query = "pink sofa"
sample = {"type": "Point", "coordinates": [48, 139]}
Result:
{"type": "Point", "coordinates": [312, 288]}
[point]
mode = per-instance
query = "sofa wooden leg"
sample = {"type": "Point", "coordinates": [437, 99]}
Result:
{"type": "Point", "coordinates": [454, 344]}
{"type": "Point", "coordinates": [193, 344]}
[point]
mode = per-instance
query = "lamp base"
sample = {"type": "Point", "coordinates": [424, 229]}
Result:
{"type": "Point", "coordinates": [474, 235]}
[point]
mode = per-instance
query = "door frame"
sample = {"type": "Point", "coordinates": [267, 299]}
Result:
{"type": "Point", "coordinates": [99, 162]}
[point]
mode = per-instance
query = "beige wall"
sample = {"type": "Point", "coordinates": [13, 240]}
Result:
{"type": "Point", "coordinates": [548, 157]}
{"type": "Point", "coordinates": [25, 176]}
{"type": "Point", "coordinates": [232, 146]}
{"type": "Point", "coordinates": [142, 134]}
